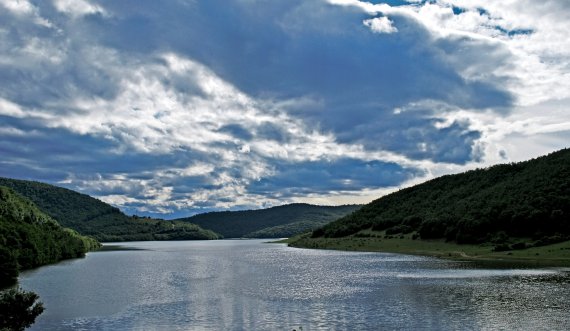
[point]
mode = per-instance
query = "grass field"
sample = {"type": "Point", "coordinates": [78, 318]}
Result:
{"type": "Point", "coordinates": [550, 255]}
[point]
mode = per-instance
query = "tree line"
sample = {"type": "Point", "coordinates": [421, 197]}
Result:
{"type": "Point", "coordinates": [29, 238]}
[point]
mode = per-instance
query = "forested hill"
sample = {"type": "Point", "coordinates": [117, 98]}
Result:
{"type": "Point", "coordinates": [30, 238]}
{"type": "Point", "coordinates": [95, 218]}
{"type": "Point", "coordinates": [275, 222]}
{"type": "Point", "coordinates": [519, 200]}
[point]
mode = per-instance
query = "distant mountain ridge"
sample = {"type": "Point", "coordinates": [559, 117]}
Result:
{"type": "Point", "coordinates": [274, 222]}
{"type": "Point", "coordinates": [527, 200]}
{"type": "Point", "coordinates": [90, 216]}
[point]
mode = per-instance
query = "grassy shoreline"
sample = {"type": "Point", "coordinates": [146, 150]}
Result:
{"type": "Point", "coordinates": [555, 255]}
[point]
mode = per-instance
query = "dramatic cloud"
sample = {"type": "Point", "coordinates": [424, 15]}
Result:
{"type": "Point", "coordinates": [177, 107]}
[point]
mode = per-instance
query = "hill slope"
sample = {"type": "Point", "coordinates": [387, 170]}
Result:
{"type": "Point", "coordinates": [95, 218]}
{"type": "Point", "coordinates": [275, 222]}
{"type": "Point", "coordinates": [525, 203]}
{"type": "Point", "coordinates": [30, 238]}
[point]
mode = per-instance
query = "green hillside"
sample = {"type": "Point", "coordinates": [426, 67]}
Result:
{"type": "Point", "coordinates": [275, 222]}
{"type": "Point", "coordinates": [30, 238]}
{"type": "Point", "coordinates": [288, 230]}
{"type": "Point", "coordinates": [95, 218]}
{"type": "Point", "coordinates": [508, 206]}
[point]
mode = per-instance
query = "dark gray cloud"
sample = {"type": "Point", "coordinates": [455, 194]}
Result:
{"type": "Point", "coordinates": [419, 136]}
{"type": "Point", "coordinates": [237, 131]}
{"type": "Point", "coordinates": [48, 66]}
{"type": "Point", "coordinates": [270, 131]}
{"type": "Point", "coordinates": [320, 177]}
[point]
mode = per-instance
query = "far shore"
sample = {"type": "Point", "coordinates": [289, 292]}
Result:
{"type": "Point", "coordinates": [556, 255]}
{"type": "Point", "coordinates": [118, 247]}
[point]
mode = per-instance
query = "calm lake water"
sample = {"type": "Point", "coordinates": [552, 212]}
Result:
{"type": "Point", "coordinates": [249, 285]}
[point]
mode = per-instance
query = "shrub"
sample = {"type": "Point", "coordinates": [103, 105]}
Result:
{"type": "Point", "coordinates": [18, 309]}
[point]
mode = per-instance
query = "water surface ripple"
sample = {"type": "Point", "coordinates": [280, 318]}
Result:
{"type": "Point", "coordinates": [249, 285]}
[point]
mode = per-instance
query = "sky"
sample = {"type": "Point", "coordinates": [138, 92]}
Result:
{"type": "Point", "coordinates": [177, 107]}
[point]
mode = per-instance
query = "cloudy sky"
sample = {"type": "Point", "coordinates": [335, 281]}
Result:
{"type": "Point", "coordinates": [175, 107]}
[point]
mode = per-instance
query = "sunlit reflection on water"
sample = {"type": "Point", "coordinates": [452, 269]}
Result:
{"type": "Point", "coordinates": [248, 285]}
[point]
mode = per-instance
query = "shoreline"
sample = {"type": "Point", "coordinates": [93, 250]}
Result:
{"type": "Point", "coordinates": [555, 255]}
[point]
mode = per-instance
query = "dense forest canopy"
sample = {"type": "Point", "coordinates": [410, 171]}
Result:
{"type": "Point", "coordinates": [527, 199]}
{"type": "Point", "coordinates": [90, 216]}
{"type": "Point", "coordinates": [30, 238]}
{"type": "Point", "coordinates": [275, 222]}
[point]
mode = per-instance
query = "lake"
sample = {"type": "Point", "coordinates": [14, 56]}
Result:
{"type": "Point", "coordinates": [250, 285]}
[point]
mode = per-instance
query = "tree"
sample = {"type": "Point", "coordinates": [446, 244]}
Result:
{"type": "Point", "coordinates": [8, 268]}
{"type": "Point", "coordinates": [18, 309]}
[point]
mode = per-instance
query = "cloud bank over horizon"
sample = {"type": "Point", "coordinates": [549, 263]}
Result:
{"type": "Point", "coordinates": [180, 107]}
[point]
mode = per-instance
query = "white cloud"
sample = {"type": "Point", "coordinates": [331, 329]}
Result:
{"type": "Point", "coordinates": [380, 25]}
{"type": "Point", "coordinates": [540, 58]}
{"type": "Point", "coordinates": [78, 8]}
{"type": "Point", "coordinates": [199, 169]}
{"type": "Point", "coordinates": [171, 103]}
{"type": "Point", "coordinates": [23, 8]}
{"type": "Point", "coordinates": [9, 108]}
{"type": "Point", "coordinates": [529, 55]}
{"type": "Point", "coordinates": [534, 33]}
{"type": "Point", "coordinates": [10, 131]}
{"type": "Point", "coordinates": [149, 115]}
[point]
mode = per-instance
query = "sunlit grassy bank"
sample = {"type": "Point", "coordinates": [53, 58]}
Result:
{"type": "Point", "coordinates": [550, 255]}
